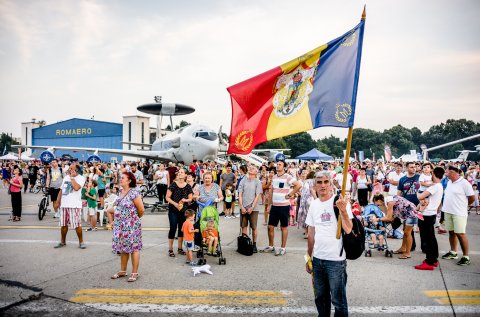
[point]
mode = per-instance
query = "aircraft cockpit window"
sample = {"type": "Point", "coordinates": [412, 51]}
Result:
{"type": "Point", "coordinates": [211, 136]}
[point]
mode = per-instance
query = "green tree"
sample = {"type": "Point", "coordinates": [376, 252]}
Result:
{"type": "Point", "coordinates": [300, 143]}
{"type": "Point", "coordinates": [6, 141]}
{"type": "Point", "coordinates": [180, 125]}
{"type": "Point", "coordinates": [332, 146]}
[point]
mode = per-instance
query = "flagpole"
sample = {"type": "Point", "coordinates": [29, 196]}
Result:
{"type": "Point", "coordinates": [346, 159]}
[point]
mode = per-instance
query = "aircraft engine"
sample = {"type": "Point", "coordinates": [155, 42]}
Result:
{"type": "Point", "coordinates": [46, 157]}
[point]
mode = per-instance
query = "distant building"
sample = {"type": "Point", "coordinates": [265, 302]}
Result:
{"type": "Point", "coordinates": [90, 134]}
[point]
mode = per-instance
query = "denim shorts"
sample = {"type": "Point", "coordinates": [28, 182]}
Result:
{"type": "Point", "coordinates": [188, 245]}
{"type": "Point", "coordinates": [411, 221]}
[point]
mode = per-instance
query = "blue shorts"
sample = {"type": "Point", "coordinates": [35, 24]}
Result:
{"type": "Point", "coordinates": [188, 245]}
{"type": "Point", "coordinates": [411, 221]}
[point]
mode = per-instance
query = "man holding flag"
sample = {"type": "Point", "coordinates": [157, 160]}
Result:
{"type": "Point", "coordinates": [316, 89]}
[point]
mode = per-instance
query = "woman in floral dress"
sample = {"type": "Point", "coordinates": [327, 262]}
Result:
{"type": "Point", "coordinates": [307, 195]}
{"type": "Point", "coordinates": [127, 228]}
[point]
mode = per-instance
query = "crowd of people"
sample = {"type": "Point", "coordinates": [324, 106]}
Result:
{"type": "Point", "coordinates": [433, 198]}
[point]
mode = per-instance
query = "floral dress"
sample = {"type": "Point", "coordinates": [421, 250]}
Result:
{"type": "Point", "coordinates": [403, 208]}
{"type": "Point", "coordinates": [127, 228]}
{"type": "Point", "coordinates": [305, 200]}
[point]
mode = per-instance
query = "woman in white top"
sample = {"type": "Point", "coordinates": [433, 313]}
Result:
{"type": "Point", "coordinates": [162, 178]}
{"type": "Point", "coordinates": [361, 187]}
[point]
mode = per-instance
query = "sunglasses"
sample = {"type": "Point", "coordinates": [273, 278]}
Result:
{"type": "Point", "coordinates": [323, 182]}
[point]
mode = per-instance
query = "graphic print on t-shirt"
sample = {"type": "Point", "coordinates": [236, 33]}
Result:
{"type": "Point", "coordinates": [67, 188]}
{"type": "Point", "coordinates": [326, 218]}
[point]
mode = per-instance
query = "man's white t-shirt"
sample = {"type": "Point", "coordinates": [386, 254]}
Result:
{"type": "Point", "coordinates": [72, 198]}
{"type": "Point", "coordinates": [455, 201]}
{"type": "Point", "coordinates": [322, 216]}
{"type": "Point", "coordinates": [392, 191]}
{"type": "Point", "coordinates": [434, 200]}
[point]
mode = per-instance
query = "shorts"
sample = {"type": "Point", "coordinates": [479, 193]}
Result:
{"type": "Point", "coordinates": [53, 193]}
{"type": "Point", "coordinates": [70, 216]}
{"type": "Point", "coordinates": [101, 192]}
{"type": "Point", "coordinates": [188, 245]}
{"type": "Point", "coordinates": [455, 223]}
{"type": "Point", "coordinates": [279, 214]}
{"type": "Point", "coordinates": [92, 211]}
{"type": "Point", "coordinates": [252, 218]}
{"type": "Point", "coordinates": [228, 204]}
{"type": "Point", "coordinates": [411, 221]}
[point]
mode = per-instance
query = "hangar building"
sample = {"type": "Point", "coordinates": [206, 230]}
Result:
{"type": "Point", "coordinates": [88, 133]}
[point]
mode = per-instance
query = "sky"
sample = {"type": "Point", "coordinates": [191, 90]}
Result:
{"type": "Point", "coordinates": [66, 59]}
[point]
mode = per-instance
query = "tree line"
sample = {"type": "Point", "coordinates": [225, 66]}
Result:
{"type": "Point", "coordinates": [400, 139]}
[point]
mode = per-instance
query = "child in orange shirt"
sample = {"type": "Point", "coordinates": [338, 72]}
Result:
{"type": "Point", "coordinates": [188, 235]}
{"type": "Point", "coordinates": [210, 237]}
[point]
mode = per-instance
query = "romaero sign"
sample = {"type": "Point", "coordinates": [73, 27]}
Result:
{"type": "Point", "coordinates": [78, 131]}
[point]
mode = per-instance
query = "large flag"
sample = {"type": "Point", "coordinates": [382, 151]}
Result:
{"type": "Point", "coordinates": [316, 89]}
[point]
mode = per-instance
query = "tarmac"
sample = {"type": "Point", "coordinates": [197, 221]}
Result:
{"type": "Point", "coordinates": [38, 280]}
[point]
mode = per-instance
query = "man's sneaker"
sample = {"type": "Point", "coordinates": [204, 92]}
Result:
{"type": "Point", "coordinates": [450, 255]}
{"type": "Point", "coordinates": [281, 252]}
{"type": "Point", "coordinates": [255, 249]}
{"type": "Point", "coordinates": [268, 249]}
{"type": "Point", "coordinates": [464, 261]}
{"type": "Point", "coordinates": [425, 267]}
{"type": "Point", "coordinates": [82, 246]}
{"type": "Point", "coordinates": [59, 245]}
{"type": "Point", "coordinates": [89, 229]}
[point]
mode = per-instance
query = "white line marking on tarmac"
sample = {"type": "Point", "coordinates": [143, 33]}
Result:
{"type": "Point", "coordinates": [227, 247]}
{"type": "Point", "coordinates": [206, 309]}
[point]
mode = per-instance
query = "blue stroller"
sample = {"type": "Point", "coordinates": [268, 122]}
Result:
{"type": "Point", "coordinates": [368, 211]}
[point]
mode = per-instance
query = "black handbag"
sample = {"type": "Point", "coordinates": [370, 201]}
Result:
{"type": "Point", "coordinates": [244, 245]}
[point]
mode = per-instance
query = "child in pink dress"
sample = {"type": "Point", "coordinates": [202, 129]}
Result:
{"type": "Point", "coordinates": [293, 210]}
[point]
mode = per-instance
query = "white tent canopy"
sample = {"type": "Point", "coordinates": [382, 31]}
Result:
{"type": "Point", "coordinates": [9, 157]}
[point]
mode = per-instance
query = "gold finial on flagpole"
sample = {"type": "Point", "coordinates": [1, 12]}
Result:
{"type": "Point", "coordinates": [364, 14]}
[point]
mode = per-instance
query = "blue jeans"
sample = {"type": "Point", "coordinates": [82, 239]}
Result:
{"type": "Point", "coordinates": [330, 285]}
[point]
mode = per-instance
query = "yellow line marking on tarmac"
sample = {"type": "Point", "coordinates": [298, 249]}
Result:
{"type": "Point", "coordinates": [458, 301]}
{"type": "Point", "coordinates": [462, 293]}
{"type": "Point", "coordinates": [56, 227]}
{"type": "Point", "coordinates": [181, 297]}
{"type": "Point", "coordinates": [193, 293]}
{"type": "Point", "coordinates": [179, 300]}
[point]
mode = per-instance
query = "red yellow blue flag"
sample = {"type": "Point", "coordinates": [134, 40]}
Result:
{"type": "Point", "coordinates": [316, 89]}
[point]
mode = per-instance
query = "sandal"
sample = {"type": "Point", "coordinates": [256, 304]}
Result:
{"type": "Point", "coordinates": [398, 252]}
{"type": "Point", "coordinates": [404, 257]}
{"type": "Point", "coordinates": [180, 251]}
{"type": "Point", "coordinates": [119, 274]}
{"type": "Point", "coordinates": [133, 277]}
{"type": "Point", "coordinates": [171, 254]}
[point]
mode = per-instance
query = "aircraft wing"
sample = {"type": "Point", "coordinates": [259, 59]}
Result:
{"type": "Point", "coordinates": [159, 155]}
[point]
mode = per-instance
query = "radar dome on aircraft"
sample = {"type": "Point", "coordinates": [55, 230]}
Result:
{"type": "Point", "coordinates": [166, 109]}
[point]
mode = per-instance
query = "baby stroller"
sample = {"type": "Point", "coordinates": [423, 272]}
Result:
{"type": "Point", "coordinates": [367, 211]}
{"type": "Point", "coordinates": [209, 212]}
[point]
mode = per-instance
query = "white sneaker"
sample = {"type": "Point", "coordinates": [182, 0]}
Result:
{"type": "Point", "coordinates": [281, 252]}
{"type": "Point", "coordinates": [268, 249]}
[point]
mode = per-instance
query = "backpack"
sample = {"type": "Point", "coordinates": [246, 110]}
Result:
{"type": "Point", "coordinates": [244, 245]}
{"type": "Point", "coordinates": [354, 242]}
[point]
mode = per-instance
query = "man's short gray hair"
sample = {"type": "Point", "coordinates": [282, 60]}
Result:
{"type": "Point", "coordinates": [326, 174]}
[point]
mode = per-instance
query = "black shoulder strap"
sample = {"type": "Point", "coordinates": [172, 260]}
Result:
{"type": "Point", "coordinates": [337, 212]}
{"type": "Point", "coordinates": [335, 208]}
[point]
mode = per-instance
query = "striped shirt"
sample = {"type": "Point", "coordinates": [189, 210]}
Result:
{"type": "Point", "coordinates": [281, 188]}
